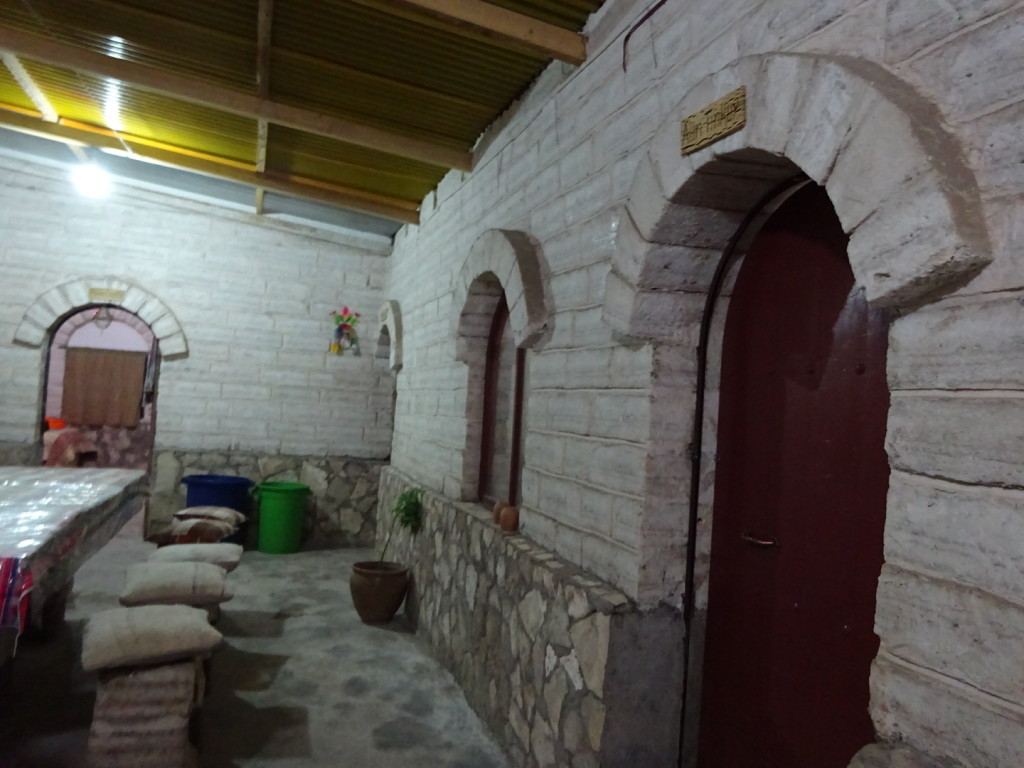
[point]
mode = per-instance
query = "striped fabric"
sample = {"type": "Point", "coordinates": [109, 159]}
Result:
{"type": "Point", "coordinates": [15, 584]}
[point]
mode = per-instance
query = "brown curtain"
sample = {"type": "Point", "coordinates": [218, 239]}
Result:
{"type": "Point", "coordinates": [103, 387]}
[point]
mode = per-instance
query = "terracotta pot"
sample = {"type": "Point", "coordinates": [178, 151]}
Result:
{"type": "Point", "coordinates": [378, 589]}
{"type": "Point", "coordinates": [509, 521]}
{"type": "Point", "coordinates": [496, 512]}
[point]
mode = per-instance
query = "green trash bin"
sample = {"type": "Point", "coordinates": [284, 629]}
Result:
{"type": "Point", "coordinates": [282, 511]}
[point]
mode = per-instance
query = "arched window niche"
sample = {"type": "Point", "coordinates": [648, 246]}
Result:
{"type": "Point", "coordinates": [501, 436]}
{"type": "Point", "coordinates": [388, 357]}
{"type": "Point", "coordinates": [504, 310]}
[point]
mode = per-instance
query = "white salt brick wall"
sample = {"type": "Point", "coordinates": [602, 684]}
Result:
{"type": "Point", "coordinates": [561, 167]}
{"type": "Point", "coordinates": [252, 296]}
{"type": "Point", "coordinates": [925, 709]}
{"type": "Point", "coordinates": [967, 437]}
{"type": "Point", "coordinates": [922, 619]}
{"type": "Point", "coordinates": [913, 26]}
{"type": "Point", "coordinates": [968, 534]}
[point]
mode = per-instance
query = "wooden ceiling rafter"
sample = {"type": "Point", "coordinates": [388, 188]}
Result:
{"type": "Point", "coordinates": [262, 132]}
{"type": "Point", "coordinates": [151, 78]}
{"type": "Point", "coordinates": [264, 33]}
{"type": "Point", "coordinates": [498, 26]}
{"type": "Point", "coordinates": [83, 134]}
{"type": "Point", "coordinates": [380, 81]}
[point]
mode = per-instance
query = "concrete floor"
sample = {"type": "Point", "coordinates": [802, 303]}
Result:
{"type": "Point", "coordinates": [299, 682]}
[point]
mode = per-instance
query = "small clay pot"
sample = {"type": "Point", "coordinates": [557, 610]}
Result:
{"type": "Point", "coordinates": [509, 521]}
{"type": "Point", "coordinates": [496, 512]}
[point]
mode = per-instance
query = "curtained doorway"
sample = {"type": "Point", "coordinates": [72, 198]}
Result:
{"type": "Point", "coordinates": [100, 407]}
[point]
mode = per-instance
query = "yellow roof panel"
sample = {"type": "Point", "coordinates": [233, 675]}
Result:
{"type": "Point", "coordinates": [120, 107]}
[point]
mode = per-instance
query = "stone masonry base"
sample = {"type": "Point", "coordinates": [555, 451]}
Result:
{"type": "Point", "coordinates": [564, 669]}
{"type": "Point", "coordinates": [343, 499]}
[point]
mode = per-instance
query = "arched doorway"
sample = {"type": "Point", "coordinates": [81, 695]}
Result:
{"type": "Point", "coordinates": [387, 378]}
{"type": "Point", "coordinates": [388, 357]}
{"type": "Point", "coordinates": [799, 508]}
{"type": "Point", "coordinates": [100, 390]}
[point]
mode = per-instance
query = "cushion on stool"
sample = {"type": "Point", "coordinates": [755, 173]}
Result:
{"type": "Point", "coordinates": [150, 634]}
{"type": "Point", "coordinates": [224, 514]}
{"type": "Point", "coordinates": [197, 584]}
{"type": "Point", "coordinates": [200, 530]}
{"type": "Point", "coordinates": [224, 555]}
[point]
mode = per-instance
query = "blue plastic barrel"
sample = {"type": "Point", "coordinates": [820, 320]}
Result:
{"type": "Point", "coordinates": [219, 491]}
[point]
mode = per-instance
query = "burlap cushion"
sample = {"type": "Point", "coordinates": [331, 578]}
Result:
{"type": "Point", "coordinates": [224, 555]}
{"type": "Point", "coordinates": [198, 584]}
{"type": "Point", "coordinates": [200, 530]}
{"type": "Point", "coordinates": [225, 514]}
{"type": "Point", "coordinates": [148, 634]}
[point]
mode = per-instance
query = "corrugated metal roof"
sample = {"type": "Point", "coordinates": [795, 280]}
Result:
{"type": "Point", "coordinates": [568, 14]}
{"type": "Point", "coordinates": [316, 157]}
{"type": "Point", "coordinates": [212, 43]}
{"type": "Point", "coordinates": [111, 103]}
{"type": "Point", "coordinates": [397, 72]}
{"type": "Point", "coordinates": [12, 93]}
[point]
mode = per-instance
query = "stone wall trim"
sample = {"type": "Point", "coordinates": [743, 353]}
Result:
{"type": "Point", "coordinates": [559, 664]}
{"type": "Point", "coordinates": [343, 490]}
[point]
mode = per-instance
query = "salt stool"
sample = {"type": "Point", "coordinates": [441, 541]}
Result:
{"type": "Point", "coordinates": [150, 679]}
{"type": "Point", "coordinates": [222, 554]}
{"type": "Point", "coordinates": [200, 585]}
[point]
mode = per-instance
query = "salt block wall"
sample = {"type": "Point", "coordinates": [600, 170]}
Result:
{"type": "Point", "coordinates": [252, 298]}
{"type": "Point", "coordinates": [561, 167]}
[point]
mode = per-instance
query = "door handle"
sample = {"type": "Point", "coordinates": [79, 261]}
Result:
{"type": "Point", "coordinates": [759, 542]}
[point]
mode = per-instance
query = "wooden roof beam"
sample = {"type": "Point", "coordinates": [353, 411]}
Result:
{"type": "Point", "coordinates": [498, 25]}
{"type": "Point", "coordinates": [393, 208]}
{"type": "Point", "coordinates": [264, 26]}
{"type": "Point", "coordinates": [200, 92]}
{"type": "Point", "coordinates": [262, 131]}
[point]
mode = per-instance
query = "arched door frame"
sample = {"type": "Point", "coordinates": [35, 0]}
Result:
{"type": "Point", "coordinates": [902, 188]}
{"type": "Point", "coordinates": [51, 308]}
{"type": "Point", "coordinates": [916, 230]}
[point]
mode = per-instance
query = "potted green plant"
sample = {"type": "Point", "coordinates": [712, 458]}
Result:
{"type": "Point", "coordinates": [378, 586]}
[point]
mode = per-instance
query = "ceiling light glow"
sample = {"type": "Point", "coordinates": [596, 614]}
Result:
{"type": "Point", "coordinates": [112, 105]}
{"type": "Point", "coordinates": [91, 181]}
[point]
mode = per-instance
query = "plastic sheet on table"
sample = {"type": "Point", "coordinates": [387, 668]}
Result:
{"type": "Point", "coordinates": [53, 520]}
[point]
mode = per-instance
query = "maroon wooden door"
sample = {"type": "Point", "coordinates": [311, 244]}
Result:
{"type": "Point", "coordinates": [799, 509]}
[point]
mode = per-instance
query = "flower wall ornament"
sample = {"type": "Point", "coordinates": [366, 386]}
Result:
{"type": "Point", "coordinates": [345, 337]}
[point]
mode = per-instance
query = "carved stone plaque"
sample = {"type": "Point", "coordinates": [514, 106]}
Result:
{"type": "Point", "coordinates": [106, 294]}
{"type": "Point", "coordinates": [717, 120]}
